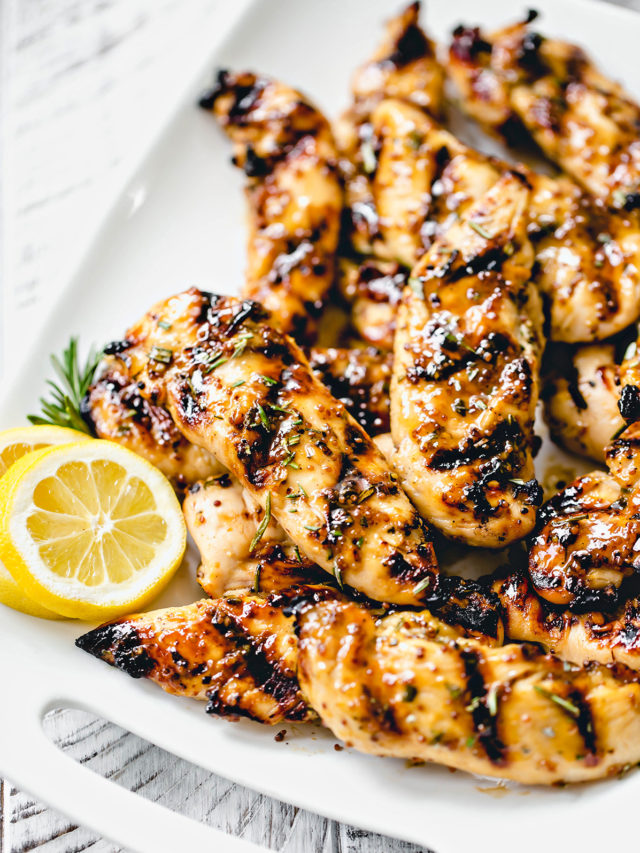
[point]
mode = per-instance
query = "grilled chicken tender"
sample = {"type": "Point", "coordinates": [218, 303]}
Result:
{"type": "Point", "coordinates": [516, 79]}
{"type": "Point", "coordinates": [586, 543]}
{"type": "Point", "coordinates": [389, 194]}
{"type": "Point", "coordinates": [575, 637]}
{"type": "Point", "coordinates": [245, 392]}
{"type": "Point", "coordinates": [587, 261]}
{"type": "Point", "coordinates": [239, 654]}
{"type": "Point", "coordinates": [465, 379]}
{"type": "Point", "coordinates": [403, 66]}
{"type": "Point", "coordinates": [286, 148]}
{"type": "Point", "coordinates": [360, 379]}
{"type": "Point", "coordinates": [581, 394]}
{"type": "Point", "coordinates": [404, 687]}
{"type": "Point", "coordinates": [118, 412]}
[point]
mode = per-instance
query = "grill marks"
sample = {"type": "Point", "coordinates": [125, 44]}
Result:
{"type": "Point", "coordinates": [254, 661]}
{"type": "Point", "coordinates": [484, 710]}
{"type": "Point", "coordinates": [360, 379]}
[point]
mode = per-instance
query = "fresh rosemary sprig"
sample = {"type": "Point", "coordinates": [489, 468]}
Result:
{"type": "Point", "coordinates": [74, 379]}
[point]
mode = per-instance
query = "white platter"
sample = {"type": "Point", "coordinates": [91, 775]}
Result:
{"type": "Point", "coordinates": [180, 223]}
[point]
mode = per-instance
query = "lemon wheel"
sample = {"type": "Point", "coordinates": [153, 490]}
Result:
{"type": "Point", "coordinates": [89, 529]}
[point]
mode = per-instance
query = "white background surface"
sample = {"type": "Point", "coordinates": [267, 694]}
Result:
{"type": "Point", "coordinates": [85, 83]}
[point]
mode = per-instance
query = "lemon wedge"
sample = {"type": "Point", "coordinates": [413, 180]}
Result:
{"type": "Point", "coordinates": [89, 530]}
{"type": "Point", "coordinates": [14, 444]}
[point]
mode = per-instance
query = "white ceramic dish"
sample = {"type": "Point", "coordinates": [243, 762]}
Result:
{"type": "Point", "coordinates": [178, 223]}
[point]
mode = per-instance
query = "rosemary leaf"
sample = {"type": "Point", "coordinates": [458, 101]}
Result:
{"type": "Point", "coordinates": [263, 524]}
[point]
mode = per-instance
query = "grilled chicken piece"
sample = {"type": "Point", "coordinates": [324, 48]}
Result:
{"type": "Point", "coordinates": [286, 148]}
{"type": "Point", "coordinates": [581, 396]}
{"type": "Point", "coordinates": [239, 654]}
{"type": "Point", "coordinates": [585, 545]}
{"type": "Point", "coordinates": [515, 79]}
{"type": "Point", "coordinates": [360, 379]}
{"type": "Point", "coordinates": [403, 66]}
{"type": "Point", "coordinates": [587, 261]}
{"type": "Point", "coordinates": [404, 687]}
{"type": "Point", "coordinates": [118, 412]}
{"type": "Point", "coordinates": [420, 178]}
{"type": "Point", "coordinates": [389, 193]}
{"type": "Point", "coordinates": [246, 393]}
{"type": "Point", "coordinates": [465, 380]}
{"type": "Point", "coordinates": [578, 638]}
{"type": "Point", "coordinates": [372, 288]}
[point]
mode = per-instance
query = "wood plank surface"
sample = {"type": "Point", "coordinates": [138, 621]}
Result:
{"type": "Point", "coordinates": [80, 80]}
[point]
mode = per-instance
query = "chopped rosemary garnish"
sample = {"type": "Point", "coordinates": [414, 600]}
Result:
{"type": "Point", "coordinates": [64, 407]}
{"type": "Point", "coordinates": [309, 527]}
{"type": "Point", "coordinates": [454, 690]}
{"type": "Point", "coordinates": [241, 345]}
{"type": "Point", "coordinates": [470, 741]}
{"type": "Point", "coordinates": [301, 487]}
{"type": "Point", "coordinates": [365, 494]}
{"type": "Point", "coordinates": [296, 551]}
{"type": "Point", "coordinates": [238, 383]}
{"type": "Point", "coordinates": [492, 700]}
{"type": "Point", "coordinates": [565, 704]}
{"type": "Point", "coordinates": [410, 693]}
{"type": "Point", "coordinates": [218, 361]}
{"type": "Point", "coordinates": [603, 237]}
{"type": "Point", "coordinates": [360, 541]}
{"type": "Point", "coordinates": [279, 409]}
{"type": "Point", "coordinates": [263, 524]}
{"type": "Point", "coordinates": [256, 579]}
{"type": "Point", "coordinates": [290, 461]}
{"type": "Point", "coordinates": [268, 380]}
{"type": "Point", "coordinates": [416, 285]}
{"type": "Point", "coordinates": [161, 354]}
{"type": "Point", "coordinates": [480, 230]}
{"type": "Point", "coordinates": [292, 440]}
{"type": "Point", "coordinates": [164, 325]}
{"type": "Point", "coordinates": [420, 587]}
{"type": "Point", "coordinates": [338, 575]}
{"type": "Point", "coordinates": [264, 418]}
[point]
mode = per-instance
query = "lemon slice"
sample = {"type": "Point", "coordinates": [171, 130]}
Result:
{"type": "Point", "coordinates": [14, 444]}
{"type": "Point", "coordinates": [89, 530]}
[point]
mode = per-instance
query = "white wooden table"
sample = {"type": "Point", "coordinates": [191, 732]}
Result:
{"type": "Point", "coordinates": [84, 82]}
